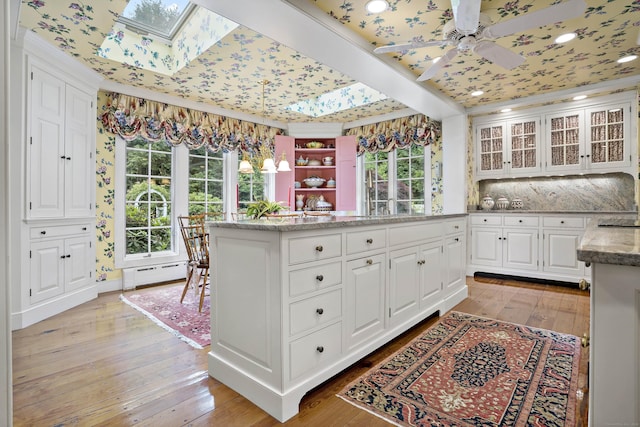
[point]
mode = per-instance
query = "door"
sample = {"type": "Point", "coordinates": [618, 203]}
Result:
{"type": "Point", "coordinates": [77, 263]}
{"type": "Point", "coordinates": [490, 150]}
{"type": "Point", "coordinates": [524, 146]}
{"type": "Point", "coordinates": [565, 142]}
{"type": "Point", "coordinates": [47, 270]}
{"type": "Point", "coordinates": [486, 246]}
{"type": "Point", "coordinates": [520, 248]}
{"type": "Point", "coordinates": [431, 274]}
{"type": "Point", "coordinates": [560, 252]}
{"type": "Point", "coordinates": [454, 251]}
{"type": "Point", "coordinates": [404, 282]}
{"type": "Point", "coordinates": [607, 135]}
{"type": "Point", "coordinates": [365, 292]}
{"type": "Point", "coordinates": [346, 173]}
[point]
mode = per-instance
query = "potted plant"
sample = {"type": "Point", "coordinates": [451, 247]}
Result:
{"type": "Point", "coordinates": [259, 208]}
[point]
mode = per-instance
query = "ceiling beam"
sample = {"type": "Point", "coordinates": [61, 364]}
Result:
{"type": "Point", "coordinates": [290, 26]}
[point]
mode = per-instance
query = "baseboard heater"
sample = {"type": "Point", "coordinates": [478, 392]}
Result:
{"type": "Point", "coordinates": [150, 274]}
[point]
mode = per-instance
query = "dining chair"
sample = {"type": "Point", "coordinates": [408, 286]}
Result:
{"type": "Point", "coordinates": [196, 241]}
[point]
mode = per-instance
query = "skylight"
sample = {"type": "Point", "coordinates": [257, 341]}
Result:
{"type": "Point", "coordinates": [166, 39]}
{"type": "Point", "coordinates": [345, 98]}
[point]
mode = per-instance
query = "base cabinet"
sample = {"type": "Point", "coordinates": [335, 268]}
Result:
{"type": "Point", "coordinates": [317, 300]}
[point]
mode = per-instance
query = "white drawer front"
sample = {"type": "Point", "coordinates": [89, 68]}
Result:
{"type": "Point", "coordinates": [314, 248]}
{"type": "Point", "coordinates": [361, 241]}
{"type": "Point", "coordinates": [413, 233]}
{"type": "Point", "coordinates": [59, 230]}
{"type": "Point", "coordinates": [563, 222]}
{"type": "Point", "coordinates": [314, 278]}
{"type": "Point", "coordinates": [453, 227]}
{"type": "Point", "coordinates": [520, 220]}
{"type": "Point", "coordinates": [316, 311]}
{"type": "Point", "coordinates": [313, 350]}
{"type": "Point", "coordinates": [486, 220]}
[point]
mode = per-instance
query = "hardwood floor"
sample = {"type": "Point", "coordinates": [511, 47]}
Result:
{"type": "Point", "coordinates": [103, 363]}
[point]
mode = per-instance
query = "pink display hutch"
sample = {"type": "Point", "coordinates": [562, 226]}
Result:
{"type": "Point", "coordinates": [343, 170]}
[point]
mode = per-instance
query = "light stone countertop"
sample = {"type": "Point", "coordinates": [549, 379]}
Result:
{"type": "Point", "coordinates": [324, 222]}
{"type": "Point", "coordinates": [551, 212]}
{"type": "Point", "coordinates": [610, 245]}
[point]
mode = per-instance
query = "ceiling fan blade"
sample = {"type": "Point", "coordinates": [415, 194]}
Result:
{"type": "Point", "coordinates": [466, 15]}
{"type": "Point", "coordinates": [433, 70]}
{"type": "Point", "coordinates": [498, 55]}
{"type": "Point", "coordinates": [549, 15]}
{"type": "Point", "coordinates": [407, 46]}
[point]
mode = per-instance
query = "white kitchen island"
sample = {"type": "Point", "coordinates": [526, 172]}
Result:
{"type": "Point", "coordinates": [294, 301]}
{"type": "Point", "coordinates": [613, 250]}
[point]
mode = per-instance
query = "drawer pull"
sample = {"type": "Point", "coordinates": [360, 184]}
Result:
{"type": "Point", "coordinates": [84, 228]}
{"type": "Point", "coordinates": [319, 349]}
{"type": "Point", "coordinates": [561, 222]}
{"type": "Point", "coordinates": [456, 239]}
{"type": "Point", "coordinates": [456, 227]}
{"type": "Point", "coordinates": [485, 220]}
{"type": "Point", "coordinates": [369, 240]}
{"type": "Point", "coordinates": [65, 256]}
{"type": "Point", "coordinates": [520, 221]}
{"type": "Point", "coordinates": [319, 248]}
{"type": "Point", "coordinates": [369, 261]}
{"type": "Point", "coordinates": [319, 277]}
{"type": "Point", "coordinates": [319, 310]}
{"type": "Point", "coordinates": [43, 232]}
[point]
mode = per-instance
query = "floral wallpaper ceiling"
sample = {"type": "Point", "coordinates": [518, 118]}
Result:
{"type": "Point", "coordinates": [228, 73]}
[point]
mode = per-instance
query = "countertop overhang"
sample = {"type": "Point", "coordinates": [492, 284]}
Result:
{"type": "Point", "coordinates": [324, 222]}
{"type": "Point", "coordinates": [617, 245]}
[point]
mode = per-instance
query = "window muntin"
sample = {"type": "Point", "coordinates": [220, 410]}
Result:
{"type": "Point", "coordinates": [206, 181]}
{"type": "Point", "coordinates": [148, 197]}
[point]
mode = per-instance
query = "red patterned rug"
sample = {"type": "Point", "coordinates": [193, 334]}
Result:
{"type": "Point", "coordinates": [472, 371]}
{"type": "Point", "coordinates": [162, 305]}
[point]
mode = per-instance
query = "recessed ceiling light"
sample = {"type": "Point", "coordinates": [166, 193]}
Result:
{"type": "Point", "coordinates": [565, 38]}
{"type": "Point", "coordinates": [505, 110]}
{"type": "Point", "coordinates": [627, 58]}
{"type": "Point", "coordinates": [477, 93]}
{"type": "Point", "coordinates": [579, 97]}
{"type": "Point", "coordinates": [376, 6]}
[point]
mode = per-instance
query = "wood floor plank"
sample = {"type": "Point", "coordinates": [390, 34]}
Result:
{"type": "Point", "coordinates": [104, 364]}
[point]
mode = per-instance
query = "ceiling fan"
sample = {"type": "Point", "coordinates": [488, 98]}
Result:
{"type": "Point", "coordinates": [471, 30]}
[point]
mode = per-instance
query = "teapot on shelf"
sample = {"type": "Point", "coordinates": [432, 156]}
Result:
{"type": "Point", "coordinates": [302, 161]}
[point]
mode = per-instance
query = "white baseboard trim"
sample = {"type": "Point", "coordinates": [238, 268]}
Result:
{"type": "Point", "coordinates": [109, 286]}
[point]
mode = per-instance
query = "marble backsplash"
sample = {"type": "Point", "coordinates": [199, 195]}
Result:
{"type": "Point", "coordinates": [606, 192]}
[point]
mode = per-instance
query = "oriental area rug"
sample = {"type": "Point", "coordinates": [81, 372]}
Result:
{"type": "Point", "coordinates": [162, 305]}
{"type": "Point", "coordinates": [472, 371]}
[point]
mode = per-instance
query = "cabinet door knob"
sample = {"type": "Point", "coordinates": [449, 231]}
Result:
{"type": "Point", "coordinates": [561, 222]}
{"type": "Point", "coordinates": [499, 238]}
{"type": "Point", "coordinates": [456, 227]}
{"type": "Point", "coordinates": [319, 248]}
{"type": "Point", "coordinates": [319, 311]}
{"type": "Point", "coordinates": [319, 277]}
{"type": "Point", "coordinates": [369, 261]}
{"type": "Point", "coordinates": [84, 228]}
{"type": "Point", "coordinates": [457, 239]}
{"type": "Point", "coordinates": [520, 221]}
{"type": "Point", "coordinates": [485, 220]}
{"type": "Point", "coordinates": [369, 241]}
{"type": "Point", "coordinates": [43, 232]}
{"type": "Point", "coordinates": [63, 157]}
{"type": "Point", "coordinates": [319, 349]}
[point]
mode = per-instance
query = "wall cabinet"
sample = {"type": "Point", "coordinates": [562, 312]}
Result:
{"type": "Point", "coordinates": [596, 137]}
{"type": "Point", "coordinates": [321, 298]}
{"type": "Point", "coordinates": [540, 246]}
{"type": "Point", "coordinates": [341, 195]}
{"type": "Point", "coordinates": [53, 202]}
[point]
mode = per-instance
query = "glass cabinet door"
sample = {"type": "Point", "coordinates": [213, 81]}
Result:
{"type": "Point", "coordinates": [564, 139]}
{"type": "Point", "coordinates": [606, 135]}
{"type": "Point", "coordinates": [524, 156]}
{"type": "Point", "coordinates": [490, 149]}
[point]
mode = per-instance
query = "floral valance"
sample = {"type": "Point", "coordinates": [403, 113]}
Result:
{"type": "Point", "coordinates": [132, 117]}
{"type": "Point", "coordinates": [397, 133]}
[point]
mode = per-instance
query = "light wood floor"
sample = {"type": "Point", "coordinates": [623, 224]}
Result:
{"type": "Point", "coordinates": [103, 363]}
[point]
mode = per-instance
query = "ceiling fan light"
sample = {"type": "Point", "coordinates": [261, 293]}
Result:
{"type": "Point", "coordinates": [565, 38]}
{"type": "Point", "coordinates": [627, 58]}
{"type": "Point", "coordinates": [376, 6]}
{"type": "Point", "coordinates": [477, 93]}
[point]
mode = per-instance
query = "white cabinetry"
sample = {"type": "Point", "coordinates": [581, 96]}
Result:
{"type": "Point", "coordinates": [53, 167]}
{"type": "Point", "coordinates": [316, 300]}
{"type": "Point", "coordinates": [561, 236]}
{"type": "Point", "coordinates": [595, 137]}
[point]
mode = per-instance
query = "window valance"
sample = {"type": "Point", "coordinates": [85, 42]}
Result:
{"type": "Point", "coordinates": [397, 133]}
{"type": "Point", "coordinates": [132, 117]}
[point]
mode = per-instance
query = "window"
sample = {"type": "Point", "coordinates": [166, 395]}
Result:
{"type": "Point", "coordinates": [251, 187]}
{"type": "Point", "coordinates": [206, 181]}
{"type": "Point", "coordinates": [148, 201]}
{"type": "Point", "coordinates": [410, 183]}
{"type": "Point", "coordinates": [377, 186]}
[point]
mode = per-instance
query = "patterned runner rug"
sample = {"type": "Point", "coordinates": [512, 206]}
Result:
{"type": "Point", "coordinates": [162, 305]}
{"type": "Point", "coordinates": [472, 371]}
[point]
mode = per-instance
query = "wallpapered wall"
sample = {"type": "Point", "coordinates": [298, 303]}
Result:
{"type": "Point", "coordinates": [105, 195]}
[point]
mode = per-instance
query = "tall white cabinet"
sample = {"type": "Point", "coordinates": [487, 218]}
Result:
{"type": "Point", "coordinates": [53, 170]}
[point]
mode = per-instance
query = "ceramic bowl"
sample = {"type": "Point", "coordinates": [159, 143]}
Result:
{"type": "Point", "coordinates": [314, 144]}
{"type": "Point", "coordinates": [314, 182]}
{"type": "Point", "coordinates": [314, 162]}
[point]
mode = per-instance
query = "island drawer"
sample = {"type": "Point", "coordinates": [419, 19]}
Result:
{"type": "Point", "coordinates": [414, 233]}
{"type": "Point", "coordinates": [361, 241]}
{"type": "Point", "coordinates": [314, 350]}
{"type": "Point", "coordinates": [456, 226]}
{"type": "Point", "coordinates": [486, 220]}
{"type": "Point", "coordinates": [314, 248]}
{"type": "Point", "coordinates": [316, 311]}
{"type": "Point", "coordinates": [522, 221]}
{"type": "Point", "coordinates": [563, 222]}
{"type": "Point", "coordinates": [314, 278]}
